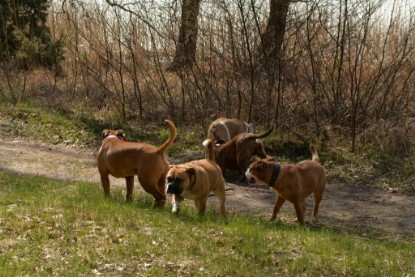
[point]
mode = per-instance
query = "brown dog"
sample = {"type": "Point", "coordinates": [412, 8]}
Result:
{"type": "Point", "coordinates": [194, 180]}
{"type": "Point", "coordinates": [124, 159]}
{"type": "Point", "coordinates": [292, 182]}
{"type": "Point", "coordinates": [226, 128]}
{"type": "Point", "coordinates": [236, 154]}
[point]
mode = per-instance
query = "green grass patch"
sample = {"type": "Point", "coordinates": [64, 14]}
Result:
{"type": "Point", "coordinates": [47, 125]}
{"type": "Point", "coordinates": [51, 227]}
{"type": "Point", "coordinates": [43, 124]}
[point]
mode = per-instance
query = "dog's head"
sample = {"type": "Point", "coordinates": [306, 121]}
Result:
{"type": "Point", "coordinates": [257, 171]}
{"type": "Point", "coordinates": [180, 179]}
{"type": "Point", "coordinates": [113, 133]}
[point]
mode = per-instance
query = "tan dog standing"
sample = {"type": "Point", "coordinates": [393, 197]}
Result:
{"type": "Point", "coordinates": [236, 154]}
{"type": "Point", "coordinates": [124, 159]}
{"type": "Point", "coordinates": [292, 182]}
{"type": "Point", "coordinates": [226, 128]}
{"type": "Point", "coordinates": [194, 180]}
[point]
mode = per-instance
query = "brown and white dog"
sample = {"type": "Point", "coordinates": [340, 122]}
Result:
{"type": "Point", "coordinates": [226, 128]}
{"type": "Point", "coordinates": [236, 154]}
{"type": "Point", "coordinates": [194, 180]}
{"type": "Point", "coordinates": [292, 182]}
{"type": "Point", "coordinates": [124, 159]}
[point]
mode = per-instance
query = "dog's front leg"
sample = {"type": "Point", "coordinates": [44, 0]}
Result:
{"type": "Point", "coordinates": [243, 166]}
{"type": "Point", "coordinates": [277, 207]}
{"type": "Point", "coordinates": [176, 200]}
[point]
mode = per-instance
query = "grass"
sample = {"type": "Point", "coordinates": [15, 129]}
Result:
{"type": "Point", "coordinates": [51, 227]}
{"type": "Point", "coordinates": [30, 120]}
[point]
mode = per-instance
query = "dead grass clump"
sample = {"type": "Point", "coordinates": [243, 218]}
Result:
{"type": "Point", "coordinates": [393, 138]}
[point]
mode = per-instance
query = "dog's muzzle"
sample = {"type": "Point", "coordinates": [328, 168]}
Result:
{"type": "Point", "coordinates": [173, 187]}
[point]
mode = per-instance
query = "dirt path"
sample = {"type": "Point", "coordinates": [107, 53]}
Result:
{"type": "Point", "coordinates": [344, 206]}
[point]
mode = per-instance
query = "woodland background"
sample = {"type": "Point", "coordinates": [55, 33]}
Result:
{"type": "Point", "coordinates": [321, 70]}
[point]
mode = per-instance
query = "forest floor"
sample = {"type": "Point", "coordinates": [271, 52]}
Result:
{"type": "Point", "coordinates": [345, 206]}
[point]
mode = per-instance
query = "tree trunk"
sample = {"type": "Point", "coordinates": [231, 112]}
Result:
{"type": "Point", "coordinates": [186, 45]}
{"type": "Point", "coordinates": [272, 38]}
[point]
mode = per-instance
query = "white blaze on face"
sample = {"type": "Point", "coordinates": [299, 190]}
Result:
{"type": "Point", "coordinates": [249, 175]}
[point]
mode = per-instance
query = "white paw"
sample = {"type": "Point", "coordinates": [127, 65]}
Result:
{"type": "Point", "coordinates": [176, 207]}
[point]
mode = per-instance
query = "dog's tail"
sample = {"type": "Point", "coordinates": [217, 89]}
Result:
{"type": "Point", "coordinates": [314, 154]}
{"type": "Point", "coordinates": [264, 134]}
{"type": "Point", "coordinates": [172, 137]}
{"type": "Point", "coordinates": [210, 154]}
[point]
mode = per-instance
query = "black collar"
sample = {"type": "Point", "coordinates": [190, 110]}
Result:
{"type": "Point", "coordinates": [275, 173]}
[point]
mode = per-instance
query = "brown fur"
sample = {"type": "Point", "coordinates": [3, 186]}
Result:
{"type": "Point", "coordinates": [196, 179]}
{"type": "Point", "coordinates": [236, 154]}
{"type": "Point", "coordinates": [124, 159]}
{"type": "Point", "coordinates": [226, 128]}
{"type": "Point", "coordinates": [295, 182]}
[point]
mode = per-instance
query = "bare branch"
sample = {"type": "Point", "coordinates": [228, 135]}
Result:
{"type": "Point", "coordinates": [125, 8]}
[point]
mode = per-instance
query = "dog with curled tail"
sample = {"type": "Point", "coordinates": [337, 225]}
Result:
{"type": "Point", "coordinates": [237, 153]}
{"type": "Point", "coordinates": [123, 159]}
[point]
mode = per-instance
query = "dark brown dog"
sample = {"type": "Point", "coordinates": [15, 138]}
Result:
{"type": "Point", "coordinates": [194, 180]}
{"type": "Point", "coordinates": [236, 154]}
{"type": "Point", "coordinates": [226, 128]}
{"type": "Point", "coordinates": [124, 159]}
{"type": "Point", "coordinates": [292, 182]}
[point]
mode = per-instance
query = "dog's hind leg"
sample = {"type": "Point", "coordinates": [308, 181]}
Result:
{"type": "Point", "coordinates": [318, 195]}
{"type": "Point", "coordinates": [151, 188]}
{"type": "Point", "coordinates": [130, 188]}
{"type": "Point", "coordinates": [315, 211]}
{"type": "Point", "coordinates": [299, 210]}
{"type": "Point", "coordinates": [277, 207]}
{"type": "Point", "coordinates": [201, 205]}
{"type": "Point", "coordinates": [105, 181]}
{"type": "Point", "coordinates": [220, 194]}
{"type": "Point", "coordinates": [161, 184]}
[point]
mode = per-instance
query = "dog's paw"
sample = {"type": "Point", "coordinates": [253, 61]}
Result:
{"type": "Point", "coordinates": [176, 207]}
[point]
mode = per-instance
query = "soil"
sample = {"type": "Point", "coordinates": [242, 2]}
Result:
{"type": "Point", "coordinates": [345, 206]}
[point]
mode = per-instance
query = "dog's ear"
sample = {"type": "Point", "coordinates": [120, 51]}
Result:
{"type": "Point", "coordinates": [270, 159]}
{"type": "Point", "coordinates": [191, 172]}
{"type": "Point", "coordinates": [105, 133]}
{"type": "Point", "coordinates": [120, 134]}
{"type": "Point", "coordinates": [219, 141]}
{"type": "Point", "coordinates": [261, 164]}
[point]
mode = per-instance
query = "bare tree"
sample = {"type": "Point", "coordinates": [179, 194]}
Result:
{"type": "Point", "coordinates": [186, 44]}
{"type": "Point", "coordinates": [303, 66]}
{"type": "Point", "coordinates": [273, 37]}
